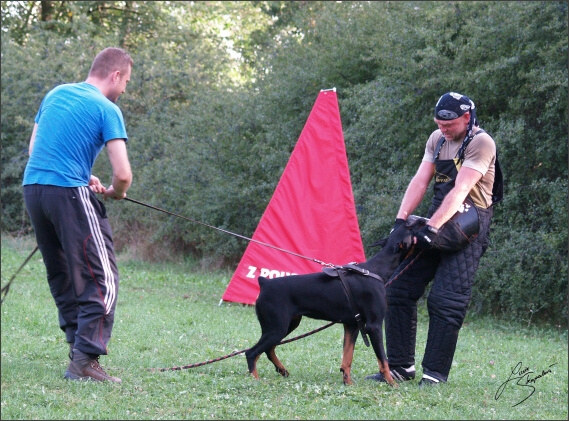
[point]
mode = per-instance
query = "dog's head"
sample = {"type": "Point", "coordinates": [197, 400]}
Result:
{"type": "Point", "coordinates": [401, 240]}
{"type": "Point", "coordinates": [395, 249]}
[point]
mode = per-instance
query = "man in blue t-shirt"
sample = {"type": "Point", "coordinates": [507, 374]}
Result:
{"type": "Point", "coordinates": [74, 122]}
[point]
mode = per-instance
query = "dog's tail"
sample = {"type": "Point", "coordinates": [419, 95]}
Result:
{"type": "Point", "coordinates": [262, 280]}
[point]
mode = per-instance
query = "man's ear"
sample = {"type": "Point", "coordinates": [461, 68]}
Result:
{"type": "Point", "coordinates": [116, 76]}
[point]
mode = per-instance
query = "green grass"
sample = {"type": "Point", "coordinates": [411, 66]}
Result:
{"type": "Point", "coordinates": [168, 315]}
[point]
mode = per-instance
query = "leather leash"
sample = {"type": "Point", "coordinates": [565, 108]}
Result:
{"type": "Point", "coordinates": [184, 367]}
{"type": "Point", "coordinates": [329, 268]}
{"type": "Point", "coordinates": [228, 232]}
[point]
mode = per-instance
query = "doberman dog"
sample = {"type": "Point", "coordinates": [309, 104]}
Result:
{"type": "Point", "coordinates": [332, 295]}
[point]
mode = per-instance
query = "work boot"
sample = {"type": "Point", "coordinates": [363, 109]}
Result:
{"type": "Point", "coordinates": [399, 374]}
{"type": "Point", "coordinates": [428, 381]}
{"type": "Point", "coordinates": [70, 350]}
{"type": "Point", "coordinates": [83, 367]}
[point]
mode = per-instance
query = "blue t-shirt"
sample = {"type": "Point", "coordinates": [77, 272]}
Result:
{"type": "Point", "coordinates": [75, 121]}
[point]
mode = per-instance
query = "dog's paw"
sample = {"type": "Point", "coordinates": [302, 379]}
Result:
{"type": "Point", "coordinates": [282, 371]}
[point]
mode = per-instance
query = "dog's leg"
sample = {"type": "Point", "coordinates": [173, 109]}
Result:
{"type": "Point", "coordinates": [376, 339]}
{"type": "Point", "coordinates": [294, 323]}
{"type": "Point", "coordinates": [271, 336]}
{"type": "Point", "coordinates": [253, 367]}
{"type": "Point", "coordinates": [384, 368]}
{"type": "Point", "coordinates": [350, 336]}
{"type": "Point", "coordinates": [272, 356]}
{"type": "Point", "coordinates": [252, 355]}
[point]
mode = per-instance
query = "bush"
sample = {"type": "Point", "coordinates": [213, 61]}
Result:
{"type": "Point", "coordinates": [523, 275]}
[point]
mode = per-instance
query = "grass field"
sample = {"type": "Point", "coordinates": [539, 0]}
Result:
{"type": "Point", "coordinates": [169, 315]}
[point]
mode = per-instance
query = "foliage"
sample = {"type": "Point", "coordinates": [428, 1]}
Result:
{"type": "Point", "coordinates": [168, 315]}
{"type": "Point", "coordinates": [21, 96]}
{"type": "Point", "coordinates": [525, 277]}
{"type": "Point", "coordinates": [220, 92]}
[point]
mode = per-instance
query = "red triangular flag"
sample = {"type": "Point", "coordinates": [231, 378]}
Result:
{"type": "Point", "coordinates": [311, 213]}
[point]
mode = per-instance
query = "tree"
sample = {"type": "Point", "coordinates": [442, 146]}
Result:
{"type": "Point", "coordinates": [221, 91]}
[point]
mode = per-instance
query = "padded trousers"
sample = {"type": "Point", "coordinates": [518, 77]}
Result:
{"type": "Point", "coordinates": [452, 276]}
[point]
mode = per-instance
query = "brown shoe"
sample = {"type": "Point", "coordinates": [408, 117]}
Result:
{"type": "Point", "coordinates": [82, 367]}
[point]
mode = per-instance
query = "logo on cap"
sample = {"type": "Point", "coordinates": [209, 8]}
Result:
{"type": "Point", "coordinates": [447, 115]}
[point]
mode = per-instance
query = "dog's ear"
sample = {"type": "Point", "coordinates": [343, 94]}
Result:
{"type": "Point", "coordinates": [380, 243]}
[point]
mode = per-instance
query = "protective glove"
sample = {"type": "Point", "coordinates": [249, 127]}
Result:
{"type": "Point", "coordinates": [397, 224]}
{"type": "Point", "coordinates": [426, 237]}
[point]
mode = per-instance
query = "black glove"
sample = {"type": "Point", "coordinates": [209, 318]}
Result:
{"type": "Point", "coordinates": [397, 224]}
{"type": "Point", "coordinates": [426, 237]}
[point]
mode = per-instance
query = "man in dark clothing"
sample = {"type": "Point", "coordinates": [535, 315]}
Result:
{"type": "Point", "coordinates": [461, 157]}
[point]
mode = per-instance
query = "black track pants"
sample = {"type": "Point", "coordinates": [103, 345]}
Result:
{"type": "Point", "coordinates": [75, 239]}
{"type": "Point", "coordinates": [452, 275]}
